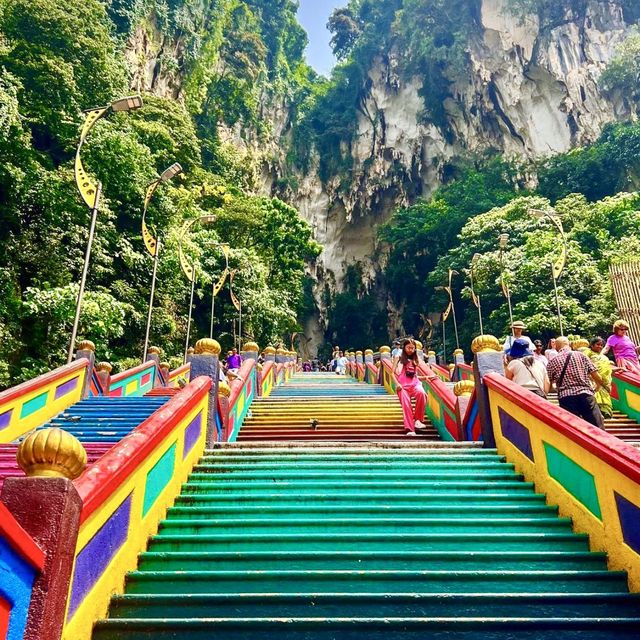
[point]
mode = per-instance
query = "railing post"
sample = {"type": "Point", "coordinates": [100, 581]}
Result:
{"type": "Point", "coordinates": [48, 508]}
{"type": "Point", "coordinates": [431, 358]}
{"type": "Point", "coordinates": [463, 390]}
{"type": "Point", "coordinates": [488, 358]}
{"type": "Point", "coordinates": [103, 371]}
{"type": "Point", "coordinates": [269, 354]}
{"type": "Point", "coordinates": [165, 369]}
{"type": "Point", "coordinates": [153, 353]}
{"type": "Point", "coordinates": [86, 349]}
{"type": "Point", "coordinates": [205, 362]}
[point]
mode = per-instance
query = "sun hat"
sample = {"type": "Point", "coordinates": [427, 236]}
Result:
{"type": "Point", "coordinates": [519, 348]}
{"type": "Point", "coordinates": [518, 324]}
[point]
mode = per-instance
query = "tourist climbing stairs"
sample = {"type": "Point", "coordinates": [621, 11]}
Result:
{"type": "Point", "coordinates": [98, 422]}
{"type": "Point", "coordinates": [325, 406]}
{"type": "Point", "coordinates": [341, 540]}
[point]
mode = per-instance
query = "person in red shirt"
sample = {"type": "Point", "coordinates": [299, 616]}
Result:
{"type": "Point", "coordinates": [572, 373]}
{"type": "Point", "coordinates": [410, 387]}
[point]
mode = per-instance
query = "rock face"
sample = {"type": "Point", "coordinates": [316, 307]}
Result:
{"type": "Point", "coordinates": [532, 91]}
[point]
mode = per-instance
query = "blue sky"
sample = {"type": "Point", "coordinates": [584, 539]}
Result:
{"type": "Point", "coordinates": [313, 16]}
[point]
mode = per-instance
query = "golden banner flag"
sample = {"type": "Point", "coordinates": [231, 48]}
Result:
{"type": "Point", "coordinates": [446, 312]}
{"type": "Point", "coordinates": [558, 265]}
{"type": "Point", "coordinates": [150, 242]}
{"type": "Point", "coordinates": [220, 283]}
{"type": "Point", "coordinates": [234, 299]}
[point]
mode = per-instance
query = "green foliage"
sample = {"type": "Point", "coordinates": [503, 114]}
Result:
{"type": "Point", "coordinates": [58, 59]}
{"type": "Point", "coordinates": [622, 75]}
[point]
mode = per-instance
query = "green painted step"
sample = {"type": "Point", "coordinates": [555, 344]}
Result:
{"type": "Point", "coordinates": [370, 542]}
{"type": "Point", "coordinates": [371, 628]}
{"type": "Point", "coordinates": [357, 509]}
{"type": "Point", "coordinates": [339, 486]}
{"type": "Point", "coordinates": [297, 581]}
{"type": "Point", "coordinates": [283, 605]}
{"type": "Point", "coordinates": [370, 525]}
{"type": "Point", "coordinates": [366, 560]}
{"type": "Point", "coordinates": [223, 466]}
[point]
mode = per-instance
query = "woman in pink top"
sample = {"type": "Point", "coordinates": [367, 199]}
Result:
{"type": "Point", "coordinates": [624, 351]}
{"type": "Point", "coordinates": [410, 387]}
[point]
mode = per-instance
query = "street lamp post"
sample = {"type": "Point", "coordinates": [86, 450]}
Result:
{"type": "Point", "coordinates": [503, 240]}
{"type": "Point", "coordinates": [557, 266]}
{"type": "Point", "coordinates": [190, 270]}
{"type": "Point", "coordinates": [475, 297]}
{"type": "Point", "coordinates": [217, 286]}
{"type": "Point", "coordinates": [153, 244]}
{"type": "Point", "coordinates": [90, 191]}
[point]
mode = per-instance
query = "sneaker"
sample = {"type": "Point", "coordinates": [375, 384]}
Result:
{"type": "Point", "coordinates": [420, 426]}
{"type": "Point", "coordinates": [410, 433]}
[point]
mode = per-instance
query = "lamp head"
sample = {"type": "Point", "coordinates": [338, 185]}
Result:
{"type": "Point", "coordinates": [536, 213]}
{"type": "Point", "coordinates": [475, 258]}
{"type": "Point", "coordinates": [503, 239]}
{"type": "Point", "coordinates": [171, 172]}
{"type": "Point", "coordinates": [127, 104]}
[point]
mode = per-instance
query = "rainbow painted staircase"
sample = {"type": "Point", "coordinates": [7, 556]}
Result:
{"type": "Point", "coordinates": [341, 540]}
{"type": "Point", "coordinates": [325, 406]}
{"type": "Point", "coordinates": [98, 422]}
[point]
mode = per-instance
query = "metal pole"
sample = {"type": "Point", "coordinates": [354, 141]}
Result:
{"type": "Point", "coordinates": [444, 340]}
{"type": "Point", "coordinates": [186, 344]}
{"type": "Point", "coordinates": [510, 309]}
{"type": "Point", "coordinates": [455, 323]}
{"type": "Point", "coordinates": [240, 326]}
{"type": "Point", "coordinates": [480, 316]}
{"type": "Point", "coordinates": [555, 289]}
{"type": "Point", "coordinates": [85, 270]}
{"type": "Point", "coordinates": [213, 308]}
{"type": "Point", "coordinates": [153, 290]}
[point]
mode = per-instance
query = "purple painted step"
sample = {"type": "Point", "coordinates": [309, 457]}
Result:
{"type": "Point", "coordinates": [9, 467]}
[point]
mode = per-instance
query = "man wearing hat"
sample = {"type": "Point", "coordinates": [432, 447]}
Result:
{"type": "Point", "coordinates": [517, 328]}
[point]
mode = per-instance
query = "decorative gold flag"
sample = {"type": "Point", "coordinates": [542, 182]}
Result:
{"type": "Point", "coordinates": [86, 185]}
{"type": "Point", "coordinates": [220, 283]}
{"type": "Point", "coordinates": [234, 299]}
{"type": "Point", "coordinates": [446, 312]}
{"type": "Point", "coordinates": [558, 265]}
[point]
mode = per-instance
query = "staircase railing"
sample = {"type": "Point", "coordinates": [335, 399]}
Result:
{"type": "Point", "coordinates": [124, 496]}
{"type": "Point", "coordinates": [593, 476]}
{"type": "Point", "coordinates": [268, 378]}
{"type": "Point", "coordinates": [21, 562]}
{"type": "Point", "coordinates": [30, 404]}
{"type": "Point", "coordinates": [625, 394]}
{"type": "Point", "coordinates": [441, 404]}
{"type": "Point", "coordinates": [134, 382]}
{"type": "Point", "coordinates": [243, 392]}
{"type": "Point", "coordinates": [179, 377]}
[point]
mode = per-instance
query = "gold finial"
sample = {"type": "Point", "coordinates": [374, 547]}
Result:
{"type": "Point", "coordinates": [165, 365]}
{"type": "Point", "coordinates": [431, 354]}
{"type": "Point", "coordinates": [418, 345]}
{"type": "Point", "coordinates": [251, 346]}
{"type": "Point", "coordinates": [358, 353]}
{"type": "Point", "coordinates": [104, 366]}
{"type": "Point", "coordinates": [224, 389]}
{"type": "Point", "coordinates": [86, 345]}
{"type": "Point", "coordinates": [154, 351]}
{"type": "Point", "coordinates": [269, 351]}
{"type": "Point", "coordinates": [452, 367]}
{"type": "Point", "coordinates": [464, 387]}
{"type": "Point", "coordinates": [207, 346]}
{"type": "Point", "coordinates": [280, 351]}
{"type": "Point", "coordinates": [259, 366]}
{"type": "Point", "coordinates": [190, 351]}
{"type": "Point", "coordinates": [52, 453]}
{"type": "Point", "coordinates": [385, 349]}
{"type": "Point", "coordinates": [485, 344]}
{"type": "Point", "coordinates": [580, 343]}
{"type": "Point", "coordinates": [458, 352]}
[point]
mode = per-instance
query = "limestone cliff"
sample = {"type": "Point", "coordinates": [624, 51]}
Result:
{"type": "Point", "coordinates": [532, 90]}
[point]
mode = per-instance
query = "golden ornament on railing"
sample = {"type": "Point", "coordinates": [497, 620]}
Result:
{"type": "Point", "coordinates": [259, 366]}
{"type": "Point", "coordinates": [485, 344]}
{"type": "Point", "coordinates": [224, 389]}
{"type": "Point", "coordinates": [385, 349]}
{"type": "Point", "coordinates": [580, 343]}
{"type": "Point", "coordinates": [464, 387]}
{"type": "Point", "coordinates": [85, 345]}
{"type": "Point", "coordinates": [368, 352]}
{"type": "Point", "coordinates": [418, 345]}
{"type": "Point", "coordinates": [358, 353]}
{"type": "Point", "coordinates": [431, 354]}
{"type": "Point", "coordinates": [190, 351]}
{"type": "Point", "coordinates": [207, 346]}
{"type": "Point", "coordinates": [165, 365]}
{"type": "Point", "coordinates": [154, 351]}
{"type": "Point", "coordinates": [458, 352]}
{"type": "Point", "coordinates": [104, 366]}
{"type": "Point", "coordinates": [52, 453]}
{"type": "Point", "coordinates": [280, 351]}
{"type": "Point", "coordinates": [452, 367]}
{"type": "Point", "coordinates": [269, 351]}
{"type": "Point", "coordinates": [251, 346]}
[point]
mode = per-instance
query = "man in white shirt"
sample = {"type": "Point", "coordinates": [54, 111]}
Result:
{"type": "Point", "coordinates": [341, 364]}
{"type": "Point", "coordinates": [517, 328]}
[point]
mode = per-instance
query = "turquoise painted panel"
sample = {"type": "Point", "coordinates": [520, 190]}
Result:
{"type": "Point", "coordinates": [158, 477]}
{"type": "Point", "coordinates": [33, 405]}
{"type": "Point", "coordinates": [576, 480]}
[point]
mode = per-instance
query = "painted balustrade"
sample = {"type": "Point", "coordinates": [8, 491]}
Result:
{"type": "Point", "coordinates": [179, 377]}
{"type": "Point", "coordinates": [593, 476]}
{"type": "Point", "coordinates": [134, 382]}
{"type": "Point", "coordinates": [30, 404]}
{"type": "Point", "coordinates": [268, 381]}
{"type": "Point", "coordinates": [21, 561]}
{"type": "Point", "coordinates": [124, 496]}
{"type": "Point", "coordinates": [441, 404]}
{"type": "Point", "coordinates": [243, 392]}
{"type": "Point", "coordinates": [441, 372]}
{"type": "Point", "coordinates": [462, 372]}
{"type": "Point", "coordinates": [625, 394]}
